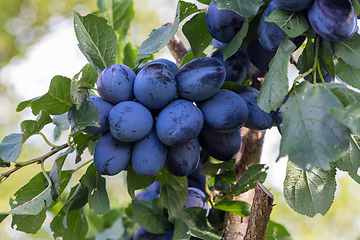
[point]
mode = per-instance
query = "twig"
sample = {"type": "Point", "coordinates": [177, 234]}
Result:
{"type": "Point", "coordinates": [19, 165]}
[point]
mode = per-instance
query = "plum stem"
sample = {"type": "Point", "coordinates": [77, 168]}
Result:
{"type": "Point", "coordinates": [46, 140]}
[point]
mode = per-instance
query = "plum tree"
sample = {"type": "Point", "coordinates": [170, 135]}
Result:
{"type": "Point", "coordinates": [293, 5]}
{"type": "Point", "coordinates": [189, 135]}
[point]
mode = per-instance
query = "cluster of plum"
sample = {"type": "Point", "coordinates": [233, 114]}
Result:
{"type": "Point", "coordinates": [333, 20]}
{"type": "Point", "coordinates": [162, 115]}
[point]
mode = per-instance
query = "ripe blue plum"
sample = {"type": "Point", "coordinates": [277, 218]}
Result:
{"type": "Point", "coordinates": [155, 85]}
{"type": "Point", "coordinates": [184, 159]}
{"type": "Point", "coordinates": [171, 64]}
{"type": "Point", "coordinates": [179, 122]}
{"type": "Point", "coordinates": [222, 146]}
{"type": "Point", "coordinates": [217, 44]}
{"type": "Point", "coordinates": [223, 24]}
{"type": "Point", "coordinates": [147, 195]}
{"type": "Point", "coordinates": [197, 180]}
{"type": "Point", "coordinates": [259, 56]}
{"type": "Point", "coordinates": [154, 187]}
{"type": "Point", "coordinates": [226, 111]}
{"type": "Point", "coordinates": [103, 108]}
{"type": "Point", "coordinates": [130, 121]}
{"type": "Point", "coordinates": [197, 198]}
{"type": "Point", "coordinates": [142, 234]}
{"type": "Point", "coordinates": [333, 20]}
{"type": "Point", "coordinates": [270, 35]}
{"type": "Point", "coordinates": [115, 83]}
{"type": "Point", "coordinates": [236, 66]}
{"type": "Point", "coordinates": [111, 155]}
{"type": "Point", "coordinates": [200, 78]}
{"type": "Point", "coordinates": [293, 5]}
{"type": "Point", "coordinates": [148, 155]}
{"type": "Point", "coordinates": [257, 119]}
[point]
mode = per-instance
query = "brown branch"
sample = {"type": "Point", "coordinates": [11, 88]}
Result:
{"type": "Point", "coordinates": [260, 213]}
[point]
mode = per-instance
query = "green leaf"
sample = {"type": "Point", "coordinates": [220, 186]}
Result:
{"type": "Point", "coordinates": [345, 95]}
{"type": "Point", "coordinates": [24, 104]}
{"type": "Point", "coordinates": [30, 224]}
{"type": "Point", "coordinates": [326, 57]}
{"type": "Point", "coordinates": [86, 115]}
{"type": "Point", "coordinates": [211, 168]}
{"type": "Point", "coordinates": [97, 40]}
{"type": "Point", "coordinates": [356, 6]}
{"type": "Point", "coordinates": [190, 56]}
{"type": "Point", "coordinates": [181, 230]}
{"type": "Point", "coordinates": [207, 2]}
{"type": "Point", "coordinates": [61, 123]}
{"type": "Point", "coordinates": [173, 191]}
{"type": "Point", "coordinates": [55, 173]}
{"type": "Point", "coordinates": [82, 141]}
{"type": "Point", "coordinates": [31, 127]}
{"type": "Point", "coordinates": [349, 51]}
{"type": "Point", "coordinates": [135, 182]}
{"type": "Point", "coordinates": [195, 217]}
{"type": "Point", "coordinates": [306, 58]}
{"type": "Point", "coordinates": [349, 116]}
{"type": "Point", "coordinates": [224, 180]}
{"type": "Point", "coordinates": [116, 230]}
{"type": "Point", "coordinates": [245, 8]}
{"type": "Point", "coordinates": [129, 58]}
{"type": "Point", "coordinates": [348, 74]}
{"type": "Point", "coordinates": [311, 136]}
{"type": "Point", "coordinates": [197, 34]}
{"type": "Point", "coordinates": [80, 84]}
{"type": "Point", "coordinates": [57, 100]}
{"type": "Point", "coordinates": [148, 218]}
{"type": "Point", "coordinates": [2, 217]}
{"type": "Point", "coordinates": [32, 198]}
{"type": "Point", "coordinates": [4, 164]}
{"type": "Point", "coordinates": [186, 9]}
{"type": "Point", "coordinates": [240, 208]}
{"type": "Point", "coordinates": [10, 147]}
{"type": "Point", "coordinates": [307, 192]}
{"type": "Point", "coordinates": [276, 83]}
{"type": "Point", "coordinates": [78, 197]}
{"type": "Point", "coordinates": [158, 38]}
{"type": "Point", "coordinates": [232, 86]}
{"type": "Point", "coordinates": [76, 225]}
{"type": "Point", "coordinates": [97, 195]}
{"type": "Point", "coordinates": [351, 161]}
{"type": "Point", "coordinates": [247, 181]}
{"type": "Point", "coordinates": [233, 46]}
{"type": "Point", "coordinates": [292, 23]}
{"type": "Point", "coordinates": [277, 231]}
{"type": "Point", "coordinates": [120, 14]}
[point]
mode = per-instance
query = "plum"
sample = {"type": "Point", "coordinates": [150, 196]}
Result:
{"type": "Point", "coordinates": [147, 195]}
{"type": "Point", "coordinates": [257, 119]}
{"type": "Point", "coordinates": [200, 78]}
{"type": "Point", "coordinates": [155, 85]}
{"type": "Point", "coordinates": [111, 155]}
{"type": "Point", "coordinates": [236, 66]}
{"type": "Point", "coordinates": [148, 155]}
{"type": "Point", "coordinates": [142, 234]}
{"type": "Point", "coordinates": [217, 44]}
{"type": "Point", "coordinates": [197, 180]}
{"type": "Point", "coordinates": [293, 5]}
{"type": "Point", "coordinates": [226, 111]}
{"type": "Point", "coordinates": [171, 64]}
{"type": "Point", "coordinates": [223, 24]}
{"type": "Point", "coordinates": [259, 56]}
{"type": "Point", "coordinates": [222, 146]}
{"type": "Point", "coordinates": [115, 83]}
{"type": "Point", "coordinates": [130, 121]}
{"type": "Point", "coordinates": [197, 198]}
{"type": "Point", "coordinates": [179, 122]}
{"type": "Point", "coordinates": [184, 159]}
{"type": "Point", "coordinates": [333, 20]}
{"type": "Point", "coordinates": [103, 108]}
{"type": "Point", "coordinates": [270, 35]}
